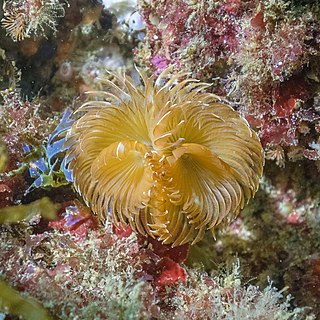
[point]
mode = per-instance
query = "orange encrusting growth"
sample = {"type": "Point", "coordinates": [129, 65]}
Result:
{"type": "Point", "coordinates": [171, 160]}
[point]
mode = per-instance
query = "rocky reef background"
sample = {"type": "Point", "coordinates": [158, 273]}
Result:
{"type": "Point", "coordinates": [57, 261]}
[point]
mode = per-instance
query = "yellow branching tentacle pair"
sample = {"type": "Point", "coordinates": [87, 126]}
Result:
{"type": "Point", "coordinates": [170, 160]}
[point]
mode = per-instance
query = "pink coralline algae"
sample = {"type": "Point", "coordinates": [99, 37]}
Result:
{"type": "Point", "coordinates": [163, 261]}
{"type": "Point", "coordinates": [272, 85]}
{"type": "Point", "coordinates": [281, 123]}
{"type": "Point", "coordinates": [10, 189]}
{"type": "Point", "coordinates": [97, 273]}
{"type": "Point", "coordinates": [160, 63]}
{"type": "Point", "coordinates": [22, 122]}
{"type": "Point", "coordinates": [116, 261]}
{"type": "Point", "coordinates": [163, 265]}
{"type": "Point", "coordinates": [263, 55]}
{"type": "Point", "coordinates": [194, 37]}
{"type": "Point", "coordinates": [75, 219]}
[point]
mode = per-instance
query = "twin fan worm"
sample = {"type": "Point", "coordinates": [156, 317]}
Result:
{"type": "Point", "coordinates": [171, 160]}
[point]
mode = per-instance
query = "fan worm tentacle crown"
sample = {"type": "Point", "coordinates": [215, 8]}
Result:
{"type": "Point", "coordinates": [170, 160]}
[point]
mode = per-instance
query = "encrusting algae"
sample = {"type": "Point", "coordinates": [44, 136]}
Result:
{"type": "Point", "coordinates": [171, 160]}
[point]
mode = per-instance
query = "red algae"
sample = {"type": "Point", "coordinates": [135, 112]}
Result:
{"type": "Point", "coordinates": [261, 56]}
{"type": "Point", "coordinates": [257, 53]}
{"type": "Point", "coordinates": [191, 36]}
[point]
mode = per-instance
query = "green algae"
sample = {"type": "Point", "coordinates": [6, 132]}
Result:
{"type": "Point", "coordinates": [3, 156]}
{"type": "Point", "coordinates": [12, 302]}
{"type": "Point", "coordinates": [14, 214]}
